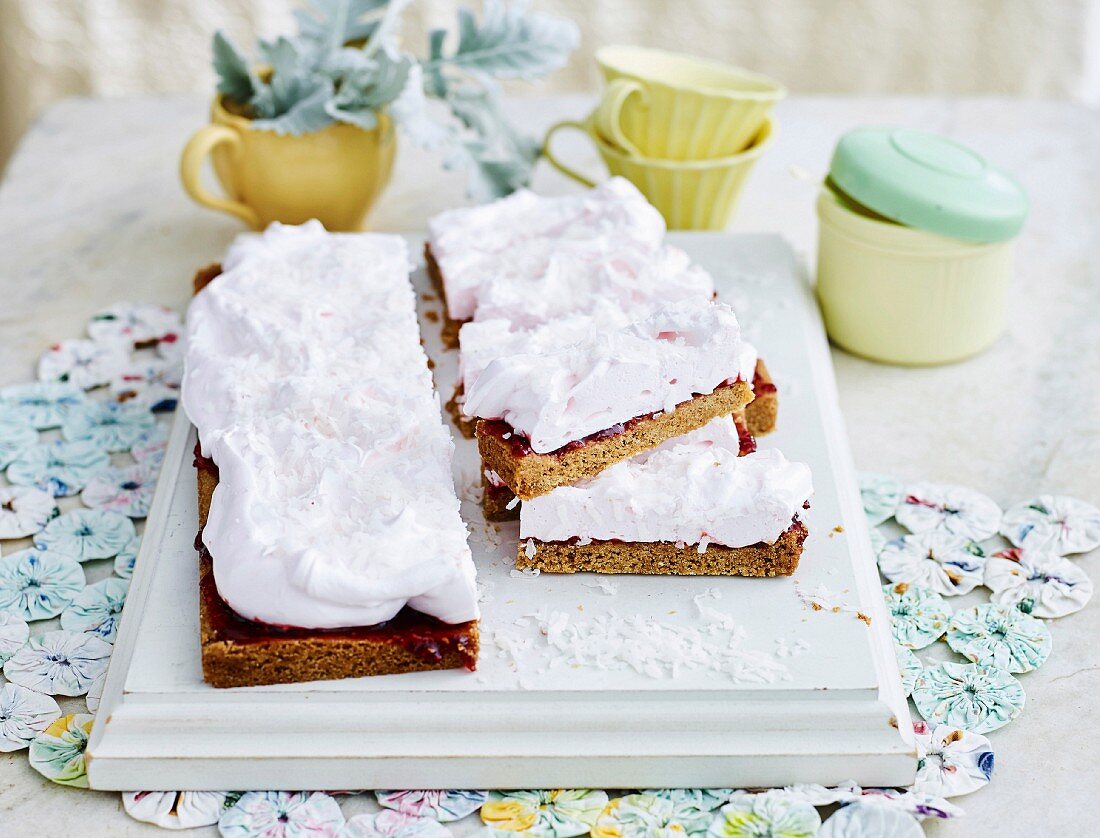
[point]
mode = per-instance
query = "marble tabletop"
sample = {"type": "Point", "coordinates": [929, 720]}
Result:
{"type": "Point", "coordinates": [91, 212]}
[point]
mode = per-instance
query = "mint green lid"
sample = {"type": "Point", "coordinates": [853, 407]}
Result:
{"type": "Point", "coordinates": [928, 182]}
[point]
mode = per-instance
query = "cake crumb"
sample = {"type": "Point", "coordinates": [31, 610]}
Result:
{"type": "Point", "coordinates": [431, 316]}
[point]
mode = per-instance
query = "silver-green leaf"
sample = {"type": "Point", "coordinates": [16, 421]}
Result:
{"type": "Point", "coordinates": [235, 78]}
{"type": "Point", "coordinates": [304, 116]}
{"type": "Point", "coordinates": [511, 42]}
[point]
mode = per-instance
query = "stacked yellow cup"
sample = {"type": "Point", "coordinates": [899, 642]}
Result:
{"type": "Point", "coordinates": [684, 130]}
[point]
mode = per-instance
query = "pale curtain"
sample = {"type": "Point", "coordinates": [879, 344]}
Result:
{"type": "Point", "coordinates": [50, 49]}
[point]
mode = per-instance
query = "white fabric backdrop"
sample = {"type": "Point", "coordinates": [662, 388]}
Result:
{"type": "Point", "coordinates": [55, 48]}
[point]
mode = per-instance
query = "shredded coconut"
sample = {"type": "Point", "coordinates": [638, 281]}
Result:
{"type": "Point", "coordinates": [657, 649]}
{"type": "Point", "coordinates": [605, 586]}
{"type": "Point", "coordinates": [823, 599]}
{"type": "Point", "coordinates": [512, 504]}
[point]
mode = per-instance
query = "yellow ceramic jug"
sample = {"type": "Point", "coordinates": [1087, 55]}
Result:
{"type": "Point", "coordinates": [334, 175]}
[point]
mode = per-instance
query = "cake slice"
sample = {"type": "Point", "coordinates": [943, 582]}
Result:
{"type": "Point", "coordinates": [330, 543]}
{"type": "Point", "coordinates": [499, 504]}
{"type": "Point", "coordinates": [531, 258]}
{"type": "Point", "coordinates": [693, 506]}
{"type": "Point", "coordinates": [550, 419]}
{"type": "Point", "coordinates": [760, 415]}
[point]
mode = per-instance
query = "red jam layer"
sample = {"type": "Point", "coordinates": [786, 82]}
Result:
{"type": "Point", "coordinates": [746, 441]}
{"type": "Point", "coordinates": [520, 446]}
{"type": "Point", "coordinates": [205, 463]}
{"type": "Point", "coordinates": [760, 387]}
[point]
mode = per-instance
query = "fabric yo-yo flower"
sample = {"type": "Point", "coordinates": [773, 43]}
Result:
{"type": "Point", "coordinates": [951, 761]}
{"type": "Point", "coordinates": [281, 813]}
{"type": "Point", "coordinates": [552, 813]}
{"type": "Point", "coordinates": [772, 813]}
{"type": "Point", "coordinates": [918, 615]}
{"type": "Point", "coordinates": [85, 363]}
{"type": "Point", "coordinates": [1053, 524]}
{"type": "Point", "coordinates": [443, 805]}
{"type": "Point", "coordinates": [14, 632]}
{"type": "Point", "coordinates": [38, 585]}
{"type": "Point", "coordinates": [649, 814]}
{"type": "Point", "coordinates": [59, 468]}
{"type": "Point", "coordinates": [390, 823]}
{"type": "Point", "coordinates": [127, 558]}
{"type": "Point", "coordinates": [128, 490]}
{"type": "Point", "coordinates": [909, 666]}
{"type": "Point", "coordinates": [149, 448]}
{"type": "Point", "coordinates": [881, 495]}
{"type": "Point", "coordinates": [818, 795]}
{"type": "Point", "coordinates": [114, 427]}
{"type": "Point", "coordinates": [175, 809]}
{"type": "Point", "coordinates": [95, 693]}
{"type": "Point", "coordinates": [23, 715]}
{"type": "Point", "coordinates": [16, 436]}
{"type": "Point", "coordinates": [934, 507]}
{"type": "Point", "coordinates": [704, 799]}
{"type": "Point", "coordinates": [24, 510]}
{"type": "Point", "coordinates": [919, 804]}
{"type": "Point", "coordinates": [57, 753]}
{"type": "Point", "coordinates": [59, 663]}
{"type": "Point", "coordinates": [948, 564]}
{"type": "Point", "coordinates": [1036, 583]}
{"type": "Point", "coordinates": [170, 347]}
{"type": "Point", "coordinates": [41, 405]}
{"type": "Point", "coordinates": [86, 534]}
{"type": "Point", "coordinates": [968, 695]}
{"type": "Point", "coordinates": [993, 635]}
{"type": "Point", "coordinates": [96, 609]}
{"type": "Point", "coordinates": [134, 324]}
{"type": "Point", "coordinates": [153, 384]}
{"type": "Point", "coordinates": [871, 820]}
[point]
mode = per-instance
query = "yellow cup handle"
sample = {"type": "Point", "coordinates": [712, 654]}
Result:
{"type": "Point", "coordinates": [556, 162]}
{"type": "Point", "coordinates": [202, 142]}
{"type": "Point", "coordinates": [609, 123]}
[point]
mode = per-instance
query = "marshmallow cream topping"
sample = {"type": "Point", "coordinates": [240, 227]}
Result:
{"type": "Point", "coordinates": [556, 397]}
{"type": "Point", "coordinates": [531, 258]}
{"type": "Point", "coordinates": [306, 381]}
{"type": "Point", "coordinates": [693, 489]}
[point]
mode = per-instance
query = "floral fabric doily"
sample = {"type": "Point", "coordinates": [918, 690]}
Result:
{"type": "Point", "coordinates": [997, 636]}
{"type": "Point", "coordinates": [1040, 584]}
{"type": "Point", "coordinates": [1053, 523]}
{"type": "Point", "coordinates": [968, 696]}
{"type": "Point", "coordinates": [948, 564]}
{"type": "Point", "coordinates": [951, 761]}
{"type": "Point", "coordinates": [935, 507]}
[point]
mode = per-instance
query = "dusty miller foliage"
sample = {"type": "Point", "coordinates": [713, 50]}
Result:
{"type": "Point", "coordinates": [345, 65]}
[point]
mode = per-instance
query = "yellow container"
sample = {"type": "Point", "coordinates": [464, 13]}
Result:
{"type": "Point", "coordinates": [690, 194]}
{"type": "Point", "coordinates": [678, 107]}
{"type": "Point", "coordinates": [334, 175]}
{"type": "Point", "coordinates": [905, 296]}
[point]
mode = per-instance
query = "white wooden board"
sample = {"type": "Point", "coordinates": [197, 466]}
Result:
{"type": "Point", "coordinates": [531, 716]}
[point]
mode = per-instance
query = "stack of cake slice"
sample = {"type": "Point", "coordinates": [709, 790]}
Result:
{"type": "Point", "coordinates": [613, 399]}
